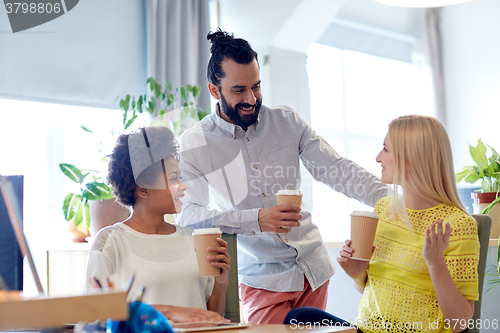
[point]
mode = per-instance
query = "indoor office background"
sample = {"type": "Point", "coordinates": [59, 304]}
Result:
{"type": "Point", "coordinates": [347, 66]}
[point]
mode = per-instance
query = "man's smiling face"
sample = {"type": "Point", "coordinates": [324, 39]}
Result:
{"type": "Point", "coordinates": [239, 92]}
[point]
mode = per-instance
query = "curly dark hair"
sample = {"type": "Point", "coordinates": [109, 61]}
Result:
{"type": "Point", "coordinates": [224, 45]}
{"type": "Point", "coordinates": [136, 159]}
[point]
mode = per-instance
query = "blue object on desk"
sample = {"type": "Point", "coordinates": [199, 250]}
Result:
{"type": "Point", "coordinates": [143, 318]}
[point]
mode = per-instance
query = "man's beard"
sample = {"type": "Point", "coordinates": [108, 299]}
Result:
{"type": "Point", "coordinates": [233, 115]}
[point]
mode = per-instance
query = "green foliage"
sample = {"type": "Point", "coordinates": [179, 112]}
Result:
{"type": "Point", "coordinates": [76, 205]}
{"type": "Point", "coordinates": [487, 169]}
{"type": "Point", "coordinates": [163, 99]}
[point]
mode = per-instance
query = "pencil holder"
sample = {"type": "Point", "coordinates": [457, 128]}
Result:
{"type": "Point", "coordinates": [143, 318]}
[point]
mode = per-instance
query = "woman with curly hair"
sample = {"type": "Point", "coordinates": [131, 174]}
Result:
{"type": "Point", "coordinates": [422, 276]}
{"type": "Point", "coordinates": [144, 176]}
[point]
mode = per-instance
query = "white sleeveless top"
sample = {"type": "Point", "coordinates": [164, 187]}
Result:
{"type": "Point", "coordinates": [165, 265]}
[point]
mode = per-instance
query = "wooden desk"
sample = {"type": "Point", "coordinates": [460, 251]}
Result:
{"type": "Point", "coordinates": [286, 329]}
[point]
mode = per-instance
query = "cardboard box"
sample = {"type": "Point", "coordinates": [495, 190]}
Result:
{"type": "Point", "coordinates": [22, 313]}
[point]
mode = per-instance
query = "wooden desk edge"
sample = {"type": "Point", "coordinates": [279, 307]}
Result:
{"type": "Point", "coordinates": [276, 328]}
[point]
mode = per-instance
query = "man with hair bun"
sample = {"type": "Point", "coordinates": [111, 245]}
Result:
{"type": "Point", "coordinates": [236, 159]}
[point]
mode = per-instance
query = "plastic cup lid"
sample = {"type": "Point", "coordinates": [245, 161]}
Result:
{"type": "Point", "coordinates": [206, 231]}
{"type": "Point", "coordinates": [363, 213]}
{"type": "Point", "coordinates": [289, 192]}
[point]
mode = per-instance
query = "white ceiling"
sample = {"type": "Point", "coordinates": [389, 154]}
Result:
{"type": "Point", "coordinates": [257, 21]}
{"type": "Point", "coordinates": [405, 21]}
{"type": "Point", "coordinates": [260, 21]}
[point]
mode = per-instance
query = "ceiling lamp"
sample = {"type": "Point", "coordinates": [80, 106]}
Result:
{"type": "Point", "coordinates": [421, 3]}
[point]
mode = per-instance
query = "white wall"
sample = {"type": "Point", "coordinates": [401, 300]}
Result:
{"type": "Point", "coordinates": [472, 79]}
{"type": "Point", "coordinates": [472, 75]}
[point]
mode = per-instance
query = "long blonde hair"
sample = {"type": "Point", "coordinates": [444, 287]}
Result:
{"type": "Point", "coordinates": [421, 148]}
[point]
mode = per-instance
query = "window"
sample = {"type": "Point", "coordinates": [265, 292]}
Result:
{"type": "Point", "coordinates": [34, 139]}
{"type": "Point", "coordinates": [354, 96]}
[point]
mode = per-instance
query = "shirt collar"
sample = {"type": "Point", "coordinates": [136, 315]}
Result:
{"type": "Point", "coordinates": [222, 124]}
{"type": "Point", "coordinates": [226, 126]}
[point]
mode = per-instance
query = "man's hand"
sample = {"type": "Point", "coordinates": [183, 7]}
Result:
{"type": "Point", "coordinates": [179, 314]}
{"type": "Point", "coordinates": [279, 219]}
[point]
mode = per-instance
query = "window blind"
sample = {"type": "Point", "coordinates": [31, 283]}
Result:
{"type": "Point", "coordinates": [344, 34]}
{"type": "Point", "coordinates": [88, 56]}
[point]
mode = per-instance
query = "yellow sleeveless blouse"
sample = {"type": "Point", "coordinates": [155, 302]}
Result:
{"type": "Point", "coordinates": [399, 295]}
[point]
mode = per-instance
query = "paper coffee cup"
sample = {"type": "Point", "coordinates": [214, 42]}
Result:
{"type": "Point", "coordinates": [203, 238]}
{"type": "Point", "coordinates": [363, 228]}
{"type": "Point", "coordinates": [289, 196]}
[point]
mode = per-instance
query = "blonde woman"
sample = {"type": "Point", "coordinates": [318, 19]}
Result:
{"type": "Point", "coordinates": [422, 276]}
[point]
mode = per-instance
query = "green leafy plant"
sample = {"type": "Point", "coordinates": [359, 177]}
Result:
{"type": "Point", "coordinates": [487, 169]}
{"type": "Point", "coordinates": [76, 205]}
{"type": "Point", "coordinates": [164, 99]}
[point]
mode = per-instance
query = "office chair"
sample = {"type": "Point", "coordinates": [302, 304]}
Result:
{"type": "Point", "coordinates": [483, 229]}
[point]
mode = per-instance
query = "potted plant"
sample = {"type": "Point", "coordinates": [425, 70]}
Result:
{"type": "Point", "coordinates": [487, 169]}
{"type": "Point", "coordinates": [175, 108]}
{"type": "Point", "coordinates": [76, 205]}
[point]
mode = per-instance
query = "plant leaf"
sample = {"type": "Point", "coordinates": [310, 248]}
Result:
{"type": "Point", "coordinates": [472, 178]}
{"type": "Point", "coordinates": [139, 104]}
{"type": "Point", "coordinates": [494, 153]}
{"type": "Point", "coordinates": [158, 90]}
{"type": "Point", "coordinates": [105, 191]}
{"type": "Point", "coordinates": [126, 103]}
{"type": "Point", "coordinates": [196, 91]}
{"type": "Point", "coordinates": [189, 88]}
{"type": "Point", "coordinates": [202, 114]}
{"type": "Point", "coordinates": [169, 85]}
{"type": "Point", "coordinates": [152, 85]}
{"type": "Point", "coordinates": [125, 117]}
{"type": "Point", "coordinates": [82, 217]}
{"type": "Point", "coordinates": [91, 192]}
{"type": "Point", "coordinates": [184, 93]}
{"type": "Point", "coordinates": [133, 103]}
{"type": "Point", "coordinates": [153, 105]}
{"type": "Point", "coordinates": [170, 99]}
{"type": "Point", "coordinates": [130, 122]}
{"type": "Point", "coordinates": [82, 178]}
{"type": "Point", "coordinates": [69, 205]}
{"type": "Point", "coordinates": [83, 127]}
{"type": "Point", "coordinates": [478, 154]}
{"type": "Point", "coordinates": [71, 172]}
{"type": "Point", "coordinates": [490, 207]}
